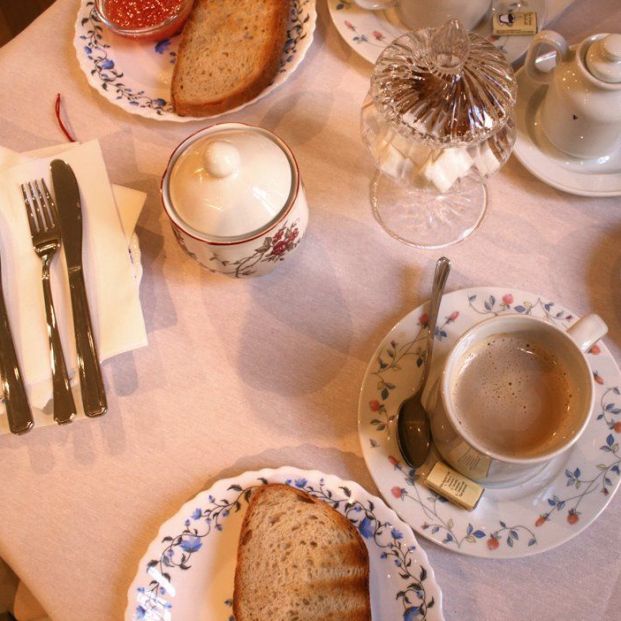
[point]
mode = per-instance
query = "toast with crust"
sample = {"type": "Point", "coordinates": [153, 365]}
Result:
{"type": "Point", "coordinates": [230, 51]}
{"type": "Point", "coordinates": [299, 560]}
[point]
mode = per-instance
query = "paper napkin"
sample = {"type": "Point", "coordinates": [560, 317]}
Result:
{"type": "Point", "coordinates": [109, 273]}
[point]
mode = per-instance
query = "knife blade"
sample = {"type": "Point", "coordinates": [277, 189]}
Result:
{"type": "Point", "coordinates": [69, 206]}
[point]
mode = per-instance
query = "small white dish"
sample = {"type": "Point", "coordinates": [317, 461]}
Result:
{"type": "Point", "coordinates": [187, 572]}
{"type": "Point", "coordinates": [136, 75]}
{"type": "Point", "coordinates": [512, 522]}
{"type": "Point", "coordinates": [369, 32]}
{"type": "Point", "coordinates": [599, 177]}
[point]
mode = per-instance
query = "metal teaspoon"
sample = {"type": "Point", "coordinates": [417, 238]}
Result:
{"type": "Point", "coordinates": [413, 430]}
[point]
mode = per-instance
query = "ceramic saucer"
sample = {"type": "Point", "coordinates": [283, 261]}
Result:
{"type": "Point", "coordinates": [369, 32]}
{"type": "Point", "coordinates": [565, 498]}
{"type": "Point", "coordinates": [187, 571]}
{"type": "Point", "coordinates": [599, 177]}
{"type": "Point", "coordinates": [136, 75]}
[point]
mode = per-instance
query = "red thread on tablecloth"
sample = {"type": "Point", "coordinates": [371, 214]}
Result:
{"type": "Point", "coordinates": [60, 120]}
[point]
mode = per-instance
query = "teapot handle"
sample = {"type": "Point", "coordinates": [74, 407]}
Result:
{"type": "Point", "coordinates": [551, 39]}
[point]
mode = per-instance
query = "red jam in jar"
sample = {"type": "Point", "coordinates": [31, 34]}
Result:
{"type": "Point", "coordinates": [134, 14]}
{"type": "Point", "coordinates": [145, 18]}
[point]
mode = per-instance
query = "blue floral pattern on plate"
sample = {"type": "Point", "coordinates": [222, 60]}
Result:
{"type": "Point", "coordinates": [136, 75]}
{"type": "Point", "coordinates": [189, 541]}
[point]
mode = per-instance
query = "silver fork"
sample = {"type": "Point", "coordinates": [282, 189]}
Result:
{"type": "Point", "coordinates": [43, 221]}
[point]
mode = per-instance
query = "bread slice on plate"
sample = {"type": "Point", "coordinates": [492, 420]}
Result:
{"type": "Point", "coordinates": [230, 51]}
{"type": "Point", "coordinates": [299, 560]}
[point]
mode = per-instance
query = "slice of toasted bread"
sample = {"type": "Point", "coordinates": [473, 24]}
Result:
{"type": "Point", "coordinates": [230, 51]}
{"type": "Point", "coordinates": [299, 560]}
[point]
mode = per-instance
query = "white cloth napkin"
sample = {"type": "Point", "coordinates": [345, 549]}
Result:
{"type": "Point", "coordinates": [109, 217]}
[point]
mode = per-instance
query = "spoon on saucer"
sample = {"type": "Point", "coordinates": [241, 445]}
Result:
{"type": "Point", "coordinates": [413, 429]}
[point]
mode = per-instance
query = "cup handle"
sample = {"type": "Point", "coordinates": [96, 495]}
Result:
{"type": "Point", "coordinates": [587, 331]}
{"type": "Point", "coordinates": [376, 5]}
{"type": "Point", "coordinates": [552, 39]}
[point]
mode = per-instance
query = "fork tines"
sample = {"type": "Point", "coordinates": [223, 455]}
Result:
{"type": "Point", "coordinates": [41, 209]}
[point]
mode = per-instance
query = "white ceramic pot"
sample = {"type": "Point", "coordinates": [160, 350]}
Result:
{"type": "Point", "coordinates": [416, 14]}
{"type": "Point", "coordinates": [235, 199]}
{"type": "Point", "coordinates": [581, 111]}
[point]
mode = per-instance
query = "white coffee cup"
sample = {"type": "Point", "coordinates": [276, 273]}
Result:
{"type": "Point", "coordinates": [417, 14]}
{"type": "Point", "coordinates": [466, 453]}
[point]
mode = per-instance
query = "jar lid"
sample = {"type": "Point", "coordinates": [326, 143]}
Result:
{"type": "Point", "coordinates": [603, 58]}
{"type": "Point", "coordinates": [229, 182]}
{"type": "Point", "coordinates": [444, 86]}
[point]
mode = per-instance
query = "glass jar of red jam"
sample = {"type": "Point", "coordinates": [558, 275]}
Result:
{"type": "Point", "coordinates": [150, 20]}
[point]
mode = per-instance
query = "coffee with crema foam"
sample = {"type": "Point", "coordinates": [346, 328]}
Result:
{"type": "Point", "coordinates": [514, 397]}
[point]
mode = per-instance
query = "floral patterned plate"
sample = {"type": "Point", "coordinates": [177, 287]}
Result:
{"type": "Point", "coordinates": [369, 32]}
{"type": "Point", "coordinates": [187, 571]}
{"type": "Point", "coordinates": [565, 498]}
{"type": "Point", "coordinates": [136, 76]}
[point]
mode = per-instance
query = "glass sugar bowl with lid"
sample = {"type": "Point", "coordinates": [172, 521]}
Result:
{"type": "Point", "coordinates": [438, 120]}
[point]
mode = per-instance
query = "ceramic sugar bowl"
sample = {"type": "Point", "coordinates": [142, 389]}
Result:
{"type": "Point", "coordinates": [581, 111]}
{"type": "Point", "coordinates": [235, 199]}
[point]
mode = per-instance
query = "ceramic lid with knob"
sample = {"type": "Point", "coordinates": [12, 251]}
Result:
{"type": "Point", "coordinates": [603, 59]}
{"type": "Point", "coordinates": [229, 182]}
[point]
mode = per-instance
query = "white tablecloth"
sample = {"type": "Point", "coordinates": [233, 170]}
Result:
{"type": "Point", "coordinates": [245, 374]}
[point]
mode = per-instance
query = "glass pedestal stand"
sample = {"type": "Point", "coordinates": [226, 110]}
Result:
{"type": "Point", "coordinates": [424, 218]}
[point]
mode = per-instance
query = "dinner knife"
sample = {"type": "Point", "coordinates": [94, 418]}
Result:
{"type": "Point", "coordinates": [17, 409]}
{"type": "Point", "coordinates": [67, 194]}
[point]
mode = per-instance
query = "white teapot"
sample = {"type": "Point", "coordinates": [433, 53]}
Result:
{"type": "Point", "coordinates": [581, 111]}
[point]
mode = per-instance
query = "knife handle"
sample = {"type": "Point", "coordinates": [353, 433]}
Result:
{"type": "Point", "coordinates": [17, 408]}
{"type": "Point", "coordinates": [64, 405]}
{"type": "Point", "coordinates": [91, 381]}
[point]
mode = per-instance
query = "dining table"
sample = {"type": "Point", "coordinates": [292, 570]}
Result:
{"type": "Point", "coordinates": [243, 374]}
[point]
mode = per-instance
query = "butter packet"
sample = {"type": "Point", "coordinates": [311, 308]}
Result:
{"type": "Point", "coordinates": [514, 24]}
{"type": "Point", "coordinates": [453, 486]}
